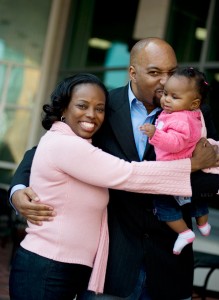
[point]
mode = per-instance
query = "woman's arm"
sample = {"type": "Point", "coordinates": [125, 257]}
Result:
{"type": "Point", "coordinates": [204, 156]}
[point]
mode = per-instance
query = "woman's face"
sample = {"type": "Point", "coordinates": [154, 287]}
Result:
{"type": "Point", "coordinates": [86, 110]}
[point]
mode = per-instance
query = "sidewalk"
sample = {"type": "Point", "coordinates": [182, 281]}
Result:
{"type": "Point", "coordinates": [208, 244]}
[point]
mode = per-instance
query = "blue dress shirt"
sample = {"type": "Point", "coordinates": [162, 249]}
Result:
{"type": "Point", "coordinates": [139, 116]}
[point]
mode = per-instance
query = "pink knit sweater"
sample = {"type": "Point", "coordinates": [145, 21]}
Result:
{"type": "Point", "coordinates": [73, 176]}
{"type": "Point", "coordinates": [176, 134]}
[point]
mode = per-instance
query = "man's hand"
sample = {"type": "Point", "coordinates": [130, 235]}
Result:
{"type": "Point", "coordinates": [204, 156]}
{"type": "Point", "coordinates": [28, 205]}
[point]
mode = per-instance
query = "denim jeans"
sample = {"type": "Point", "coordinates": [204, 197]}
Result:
{"type": "Point", "coordinates": [34, 277]}
{"type": "Point", "coordinates": [169, 210]}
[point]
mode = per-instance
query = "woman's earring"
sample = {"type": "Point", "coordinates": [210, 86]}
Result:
{"type": "Point", "coordinates": [62, 119]}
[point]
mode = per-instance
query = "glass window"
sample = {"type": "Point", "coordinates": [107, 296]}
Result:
{"type": "Point", "coordinates": [23, 27]}
{"type": "Point", "coordinates": [186, 28]}
{"type": "Point", "coordinates": [213, 49]}
{"type": "Point", "coordinates": [103, 48]}
{"type": "Point", "coordinates": [213, 78]}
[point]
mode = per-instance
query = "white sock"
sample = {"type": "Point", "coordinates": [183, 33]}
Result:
{"type": "Point", "coordinates": [184, 238]}
{"type": "Point", "coordinates": [205, 229]}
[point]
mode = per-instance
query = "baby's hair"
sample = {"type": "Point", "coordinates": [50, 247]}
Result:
{"type": "Point", "coordinates": [203, 87]}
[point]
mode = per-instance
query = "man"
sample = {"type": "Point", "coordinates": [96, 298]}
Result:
{"type": "Point", "coordinates": [140, 263]}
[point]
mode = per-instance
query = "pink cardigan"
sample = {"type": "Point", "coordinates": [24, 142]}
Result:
{"type": "Point", "coordinates": [73, 176]}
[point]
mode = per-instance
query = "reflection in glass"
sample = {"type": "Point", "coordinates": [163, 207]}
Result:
{"type": "Point", "coordinates": [185, 17]}
{"type": "Point", "coordinates": [117, 56]}
{"type": "Point", "coordinates": [13, 134]}
{"type": "Point", "coordinates": [213, 78]}
{"type": "Point", "coordinates": [23, 28]}
{"type": "Point", "coordinates": [213, 47]}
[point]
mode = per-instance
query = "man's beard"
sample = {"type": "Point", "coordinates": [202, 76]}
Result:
{"type": "Point", "coordinates": [156, 101]}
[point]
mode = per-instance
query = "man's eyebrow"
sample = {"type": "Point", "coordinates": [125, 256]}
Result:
{"type": "Point", "coordinates": [153, 67]}
{"type": "Point", "coordinates": [161, 71]}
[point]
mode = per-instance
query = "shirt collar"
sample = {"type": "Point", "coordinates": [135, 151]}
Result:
{"type": "Point", "coordinates": [130, 94]}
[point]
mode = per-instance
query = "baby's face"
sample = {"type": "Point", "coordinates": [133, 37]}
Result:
{"type": "Point", "coordinates": [179, 94]}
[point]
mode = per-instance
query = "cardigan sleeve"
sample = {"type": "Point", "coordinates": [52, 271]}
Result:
{"type": "Point", "coordinates": [81, 160]}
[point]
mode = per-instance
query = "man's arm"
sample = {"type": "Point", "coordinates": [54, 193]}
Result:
{"type": "Point", "coordinates": [24, 200]}
{"type": "Point", "coordinates": [211, 130]}
{"type": "Point", "coordinates": [27, 203]}
{"type": "Point", "coordinates": [21, 177]}
{"type": "Point", "coordinates": [22, 174]}
{"type": "Point", "coordinates": [204, 155]}
{"type": "Point", "coordinates": [206, 185]}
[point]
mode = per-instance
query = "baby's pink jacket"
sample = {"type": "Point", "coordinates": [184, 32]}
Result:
{"type": "Point", "coordinates": [176, 134]}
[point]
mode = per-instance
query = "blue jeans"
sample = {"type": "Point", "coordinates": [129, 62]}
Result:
{"type": "Point", "coordinates": [139, 292]}
{"type": "Point", "coordinates": [167, 209]}
{"type": "Point", "coordinates": [34, 277]}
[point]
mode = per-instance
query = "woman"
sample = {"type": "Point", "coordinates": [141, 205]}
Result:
{"type": "Point", "coordinates": [61, 258]}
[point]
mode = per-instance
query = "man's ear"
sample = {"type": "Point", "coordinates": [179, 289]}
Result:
{"type": "Point", "coordinates": [195, 104]}
{"type": "Point", "coordinates": [132, 73]}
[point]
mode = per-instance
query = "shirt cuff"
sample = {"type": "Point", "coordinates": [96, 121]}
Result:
{"type": "Point", "coordinates": [13, 190]}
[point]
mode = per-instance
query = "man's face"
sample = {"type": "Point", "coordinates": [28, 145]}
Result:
{"type": "Point", "coordinates": [154, 65]}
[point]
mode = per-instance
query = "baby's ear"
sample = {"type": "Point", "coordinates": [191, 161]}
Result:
{"type": "Point", "coordinates": [195, 104]}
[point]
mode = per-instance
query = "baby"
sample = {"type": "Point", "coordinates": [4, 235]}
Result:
{"type": "Point", "coordinates": [174, 136]}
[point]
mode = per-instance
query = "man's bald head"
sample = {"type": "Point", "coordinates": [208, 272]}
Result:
{"type": "Point", "coordinates": [147, 44]}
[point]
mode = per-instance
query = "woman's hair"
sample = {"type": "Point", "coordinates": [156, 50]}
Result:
{"type": "Point", "coordinates": [202, 86]}
{"type": "Point", "coordinates": [61, 96]}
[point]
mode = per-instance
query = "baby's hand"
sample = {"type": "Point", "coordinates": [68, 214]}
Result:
{"type": "Point", "coordinates": [148, 129]}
